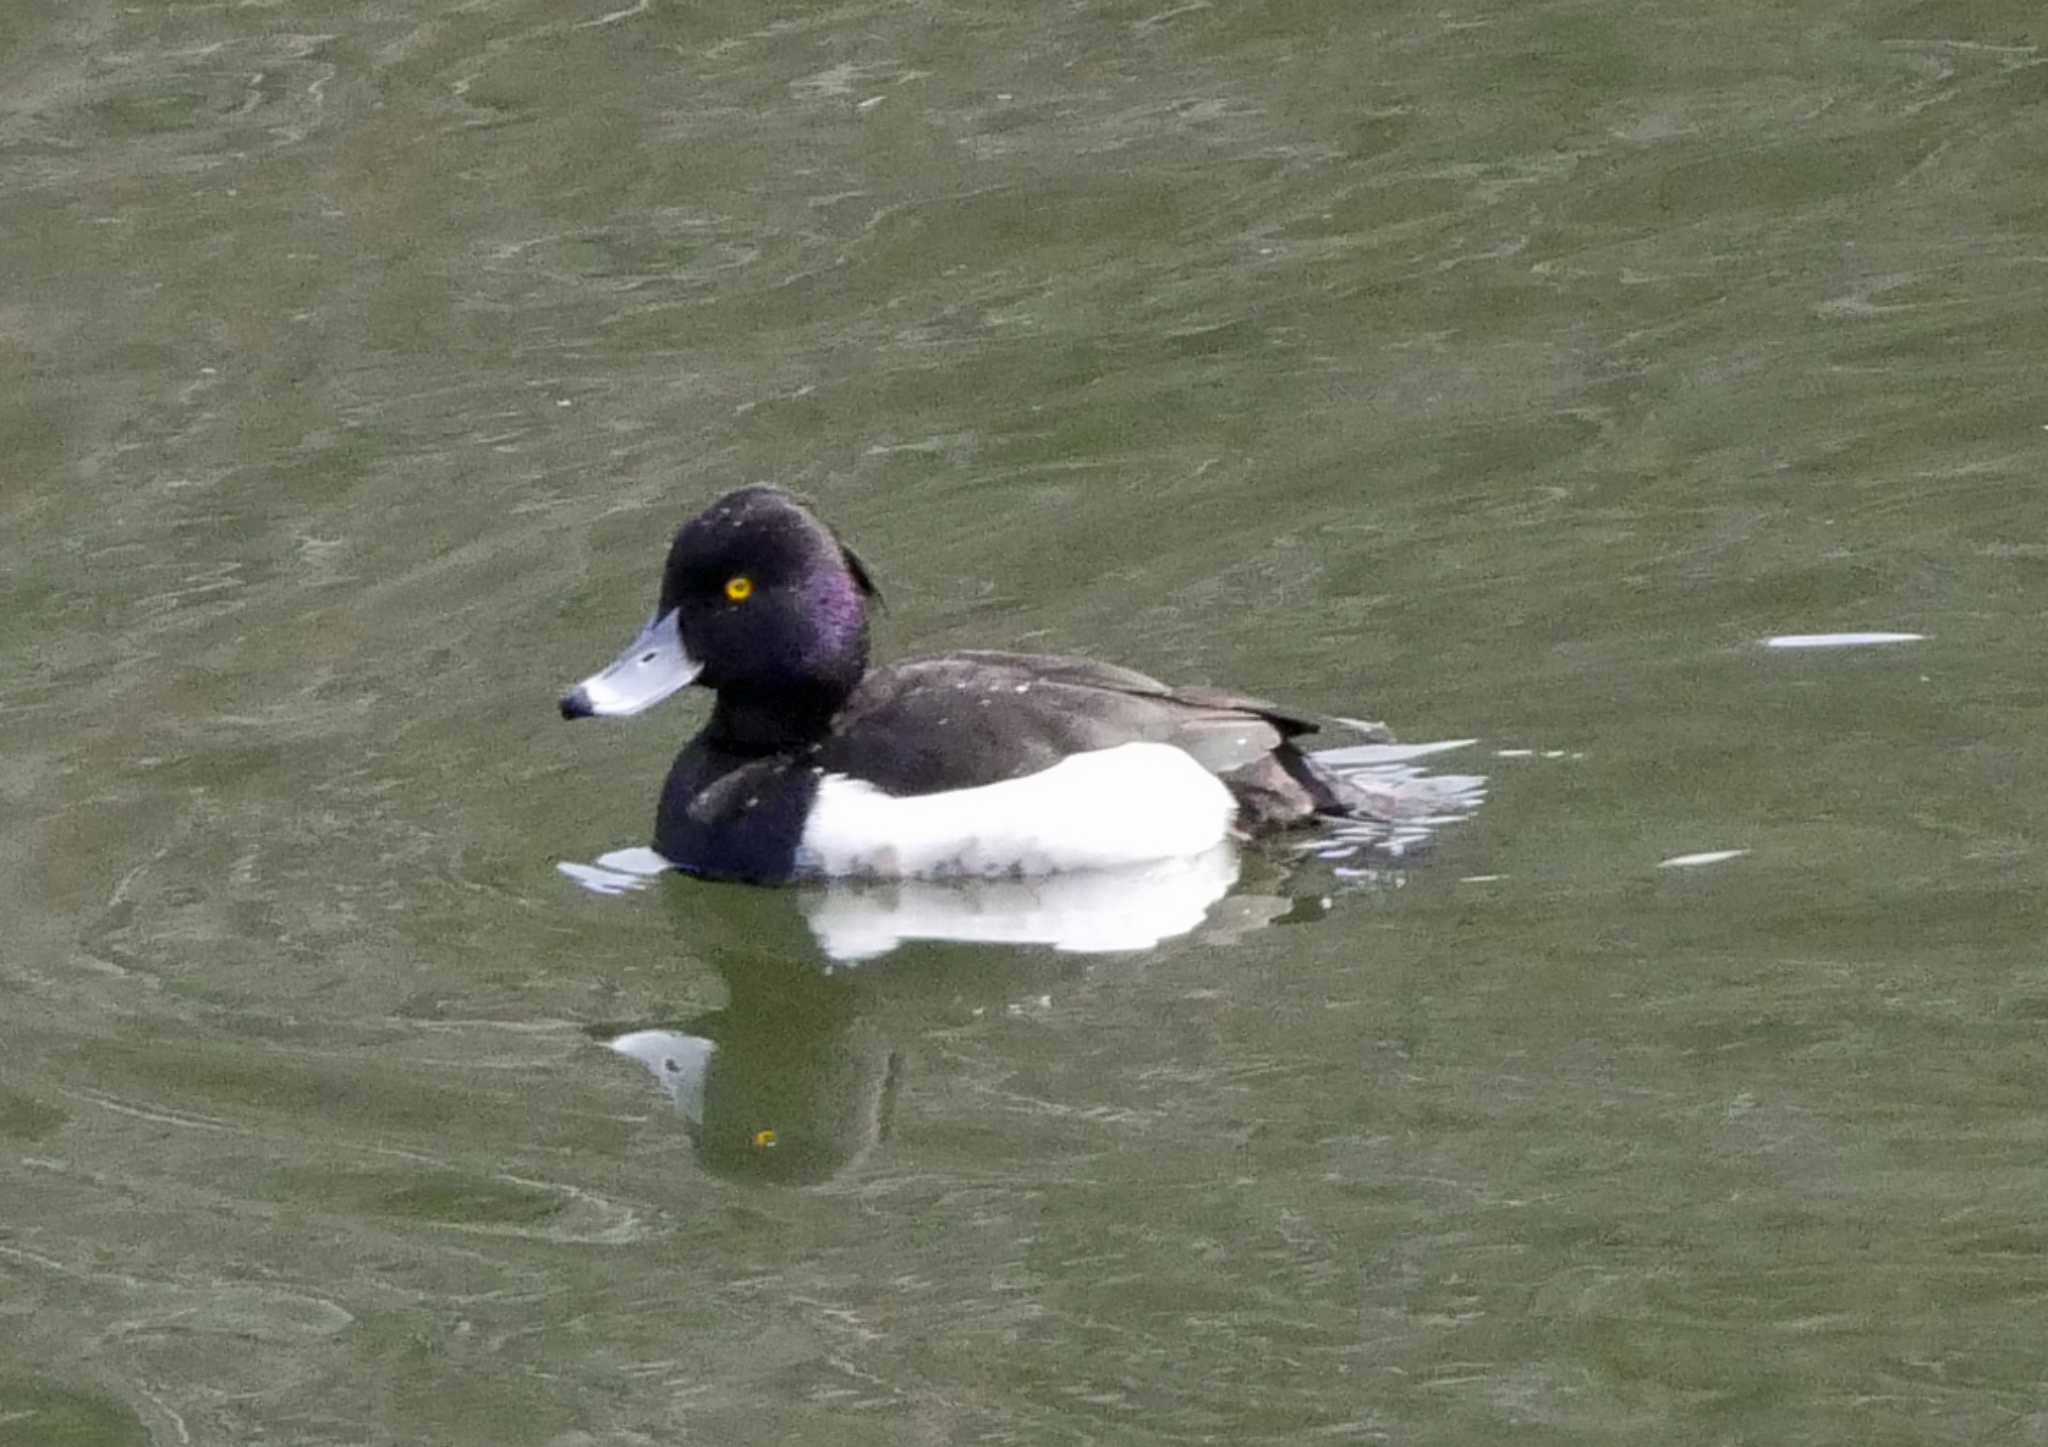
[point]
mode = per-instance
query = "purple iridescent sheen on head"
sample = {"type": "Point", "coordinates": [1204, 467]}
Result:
{"type": "Point", "coordinates": [837, 608]}
{"type": "Point", "coordinates": [796, 632]}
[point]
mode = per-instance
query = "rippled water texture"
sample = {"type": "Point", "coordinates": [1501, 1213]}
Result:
{"type": "Point", "coordinates": [1505, 372]}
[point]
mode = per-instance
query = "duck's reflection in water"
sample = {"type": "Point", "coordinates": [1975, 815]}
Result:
{"type": "Point", "coordinates": [797, 1076]}
{"type": "Point", "coordinates": [777, 1100]}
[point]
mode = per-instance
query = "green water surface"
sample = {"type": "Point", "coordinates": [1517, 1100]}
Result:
{"type": "Point", "coordinates": [1505, 371]}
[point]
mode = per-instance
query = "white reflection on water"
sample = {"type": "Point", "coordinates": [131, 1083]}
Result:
{"type": "Point", "coordinates": [1405, 806]}
{"type": "Point", "coordinates": [622, 871]}
{"type": "Point", "coordinates": [1708, 856]}
{"type": "Point", "coordinates": [1086, 912]}
{"type": "Point", "coordinates": [1840, 640]}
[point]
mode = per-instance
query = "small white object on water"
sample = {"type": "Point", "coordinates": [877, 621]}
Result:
{"type": "Point", "coordinates": [1711, 856]}
{"type": "Point", "coordinates": [622, 871]}
{"type": "Point", "coordinates": [1839, 640]}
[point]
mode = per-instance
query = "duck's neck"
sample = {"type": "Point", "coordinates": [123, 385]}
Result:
{"type": "Point", "coordinates": [752, 723]}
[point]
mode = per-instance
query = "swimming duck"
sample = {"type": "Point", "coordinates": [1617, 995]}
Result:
{"type": "Point", "coordinates": [815, 765]}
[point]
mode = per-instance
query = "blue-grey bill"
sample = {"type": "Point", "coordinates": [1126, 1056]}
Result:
{"type": "Point", "coordinates": [653, 666]}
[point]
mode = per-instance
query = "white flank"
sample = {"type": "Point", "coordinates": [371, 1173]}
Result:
{"type": "Point", "coordinates": [1098, 810]}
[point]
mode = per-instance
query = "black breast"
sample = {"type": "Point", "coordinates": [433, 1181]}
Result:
{"type": "Point", "coordinates": [727, 817]}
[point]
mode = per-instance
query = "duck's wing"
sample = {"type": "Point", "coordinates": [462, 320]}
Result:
{"type": "Point", "coordinates": [1087, 673]}
{"type": "Point", "coordinates": [964, 719]}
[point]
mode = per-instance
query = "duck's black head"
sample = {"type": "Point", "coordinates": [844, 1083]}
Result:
{"type": "Point", "coordinates": [766, 596]}
{"type": "Point", "coordinates": [759, 601]}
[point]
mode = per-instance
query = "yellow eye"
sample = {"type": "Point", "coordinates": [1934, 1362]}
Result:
{"type": "Point", "coordinates": [763, 1139]}
{"type": "Point", "coordinates": [739, 590]}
